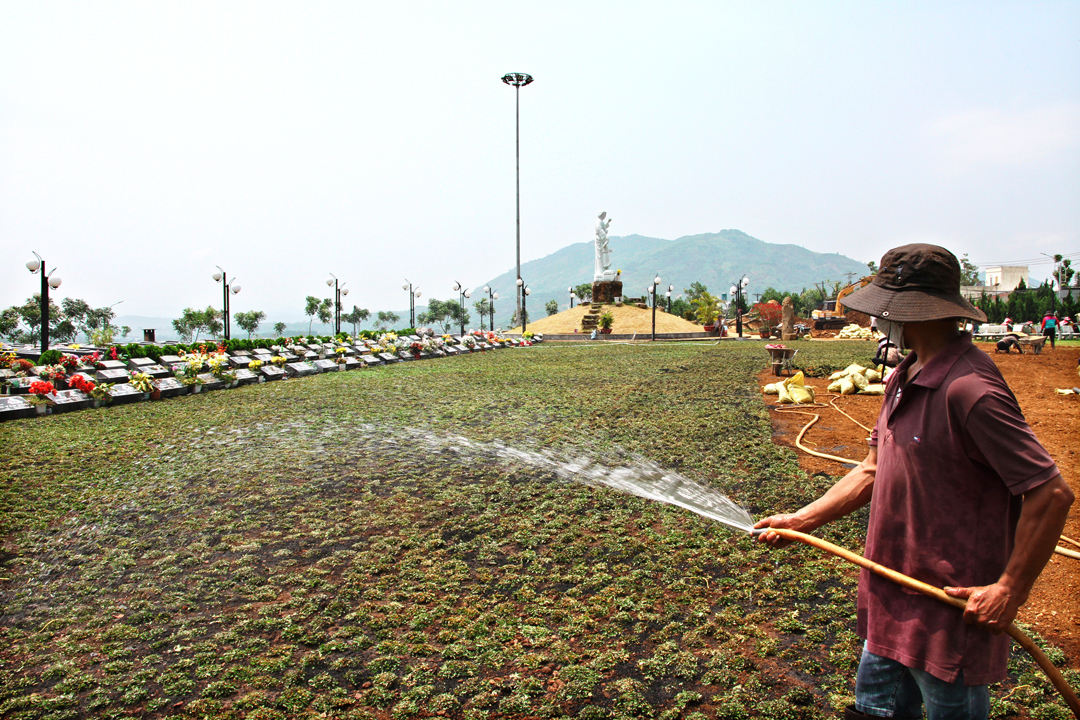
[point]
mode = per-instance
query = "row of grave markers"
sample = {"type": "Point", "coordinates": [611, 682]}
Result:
{"type": "Point", "coordinates": [308, 360]}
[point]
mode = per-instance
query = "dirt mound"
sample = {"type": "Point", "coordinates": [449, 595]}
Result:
{"type": "Point", "coordinates": [628, 319]}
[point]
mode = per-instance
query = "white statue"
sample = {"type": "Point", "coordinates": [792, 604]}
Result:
{"type": "Point", "coordinates": [602, 268]}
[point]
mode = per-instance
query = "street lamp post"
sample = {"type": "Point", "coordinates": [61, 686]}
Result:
{"type": "Point", "coordinates": [414, 292]}
{"type": "Point", "coordinates": [338, 292]}
{"type": "Point", "coordinates": [226, 288]}
{"type": "Point", "coordinates": [524, 291]}
{"type": "Point", "coordinates": [652, 294]}
{"type": "Point", "coordinates": [670, 289]}
{"type": "Point", "coordinates": [492, 297]}
{"type": "Point", "coordinates": [572, 296]}
{"type": "Point", "coordinates": [518, 81]}
{"type": "Point", "coordinates": [35, 266]}
{"type": "Point", "coordinates": [463, 292]}
{"type": "Point", "coordinates": [738, 291]}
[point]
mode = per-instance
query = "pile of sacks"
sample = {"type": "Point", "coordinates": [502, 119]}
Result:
{"type": "Point", "coordinates": [793, 390]}
{"type": "Point", "coordinates": [856, 379]}
{"type": "Point", "coordinates": [854, 332]}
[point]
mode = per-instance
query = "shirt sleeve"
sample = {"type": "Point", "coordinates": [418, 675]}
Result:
{"type": "Point", "coordinates": [1002, 439]}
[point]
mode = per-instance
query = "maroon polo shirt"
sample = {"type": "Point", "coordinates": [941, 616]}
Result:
{"type": "Point", "coordinates": [954, 457]}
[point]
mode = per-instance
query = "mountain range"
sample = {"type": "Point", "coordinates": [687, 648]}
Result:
{"type": "Point", "coordinates": [716, 260]}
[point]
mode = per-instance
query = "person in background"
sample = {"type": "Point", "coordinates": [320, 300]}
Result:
{"type": "Point", "coordinates": [1049, 327]}
{"type": "Point", "coordinates": [964, 498]}
{"type": "Point", "coordinates": [1007, 343]}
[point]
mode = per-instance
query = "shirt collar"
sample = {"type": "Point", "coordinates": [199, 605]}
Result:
{"type": "Point", "coordinates": [935, 371]}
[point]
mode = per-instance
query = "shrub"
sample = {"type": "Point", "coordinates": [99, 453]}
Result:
{"type": "Point", "coordinates": [50, 357]}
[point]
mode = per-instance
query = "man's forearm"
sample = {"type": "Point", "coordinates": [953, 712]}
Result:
{"type": "Point", "coordinates": [1042, 519]}
{"type": "Point", "coordinates": [849, 493]}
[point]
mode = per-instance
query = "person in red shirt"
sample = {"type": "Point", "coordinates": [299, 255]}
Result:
{"type": "Point", "coordinates": [962, 496]}
{"type": "Point", "coordinates": [1049, 327]}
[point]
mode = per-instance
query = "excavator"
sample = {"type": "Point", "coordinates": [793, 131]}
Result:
{"type": "Point", "coordinates": [832, 314]}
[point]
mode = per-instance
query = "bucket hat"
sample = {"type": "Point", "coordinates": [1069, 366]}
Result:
{"type": "Point", "coordinates": [916, 283]}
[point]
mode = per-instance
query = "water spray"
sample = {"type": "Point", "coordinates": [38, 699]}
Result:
{"type": "Point", "coordinates": [646, 479]}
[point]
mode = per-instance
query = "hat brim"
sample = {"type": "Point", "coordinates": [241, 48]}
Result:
{"type": "Point", "coordinates": [910, 304]}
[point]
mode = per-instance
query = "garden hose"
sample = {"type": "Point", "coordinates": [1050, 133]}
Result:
{"type": "Point", "coordinates": [1025, 642]}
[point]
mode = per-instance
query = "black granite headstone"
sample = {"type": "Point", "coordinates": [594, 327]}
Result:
{"type": "Point", "coordinates": [117, 375]}
{"type": "Point", "coordinates": [370, 360]}
{"type": "Point", "coordinates": [124, 393]}
{"type": "Point", "coordinates": [272, 372]}
{"type": "Point", "coordinates": [326, 365]}
{"type": "Point", "coordinates": [300, 369]}
{"type": "Point", "coordinates": [246, 376]}
{"type": "Point", "coordinates": [66, 400]}
{"type": "Point", "coordinates": [171, 387]}
{"type": "Point", "coordinates": [210, 381]}
{"type": "Point", "coordinates": [13, 407]}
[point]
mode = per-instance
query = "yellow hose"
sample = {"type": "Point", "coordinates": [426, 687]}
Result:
{"type": "Point", "coordinates": [1025, 642]}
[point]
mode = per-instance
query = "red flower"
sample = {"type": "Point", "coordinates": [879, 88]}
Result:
{"type": "Point", "coordinates": [39, 387]}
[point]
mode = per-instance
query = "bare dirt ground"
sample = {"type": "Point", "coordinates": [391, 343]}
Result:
{"type": "Point", "coordinates": [1054, 607]}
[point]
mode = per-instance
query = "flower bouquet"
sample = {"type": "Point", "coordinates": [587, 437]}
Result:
{"type": "Point", "coordinates": [279, 360]}
{"type": "Point", "coordinates": [40, 390]}
{"type": "Point", "coordinates": [69, 362]}
{"type": "Point", "coordinates": [52, 373]}
{"type": "Point", "coordinates": [142, 382]}
{"type": "Point", "coordinates": [255, 364]}
{"type": "Point", "coordinates": [79, 382]}
{"type": "Point", "coordinates": [340, 355]}
{"type": "Point", "coordinates": [100, 393]}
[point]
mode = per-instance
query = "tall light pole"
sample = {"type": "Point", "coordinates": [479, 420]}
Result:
{"type": "Point", "coordinates": [670, 289]}
{"type": "Point", "coordinates": [338, 292]}
{"type": "Point", "coordinates": [492, 297]}
{"type": "Point", "coordinates": [738, 291]}
{"type": "Point", "coordinates": [222, 278]}
{"type": "Point", "coordinates": [463, 292]}
{"type": "Point", "coordinates": [652, 294]}
{"type": "Point", "coordinates": [524, 314]}
{"type": "Point", "coordinates": [414, 292]}
{"type": "Point", "coordinates": [518, 80]}
{"type": "Point", "coordinates": [572, 296]}
{"type": "Point", "coordinates": [35, 266]}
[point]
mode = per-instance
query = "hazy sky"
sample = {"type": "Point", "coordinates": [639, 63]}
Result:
{"type": "Point", "coordinates": [141, 144]}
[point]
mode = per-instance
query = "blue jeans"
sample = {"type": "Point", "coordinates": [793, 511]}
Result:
{"type": "Point", "coordinates": [886, 688]}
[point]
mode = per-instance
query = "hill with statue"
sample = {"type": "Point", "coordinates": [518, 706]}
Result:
{"type": "Point", "coordinates": [716, 260]}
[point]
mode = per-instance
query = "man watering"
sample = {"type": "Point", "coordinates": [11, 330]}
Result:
{"type": "Point", "coordinates": [962, 496]}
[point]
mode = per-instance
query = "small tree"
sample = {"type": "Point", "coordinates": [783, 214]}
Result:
{"type": "Point", "coordinates": [483, 308]}
{"type": "Point", "coordinates": [707, 308]}
{"type": "Point", "coordinates": [552, 307]}
{"type": "Point", "coordinates": [438, 313]}
{"type": "Point", "coordinates": [356, 317]}
{"type": "Point", "coordinates": [326, 312]}
{"type": "Point", "coordinates": [279, 328]}
{"type": "Point", "coordinates": [386, 319]}
{"type": "Point", "coordinates": [770, 313]}
{"type": "Point", "coordinates": [515, 321]}
{"type": "Point", "coordinates": [695, 291]}
{"type": "Point", "coordinates": [459, 315]}
{"type": "Point", "coordinates": [250, 321]}
{"type": "Point", "coordinates": [969, 272]}
{"type": "Point", "coordinates": [311, 309]}
{"type": "Point", "coordinates": [584, 292]}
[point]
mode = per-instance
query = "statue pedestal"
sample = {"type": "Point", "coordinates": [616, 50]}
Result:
{"type": "Point", "coordinates": [605, 291]}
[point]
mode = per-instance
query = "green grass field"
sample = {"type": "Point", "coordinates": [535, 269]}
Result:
{"type": "Point", "coordinates": [291, 550]}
